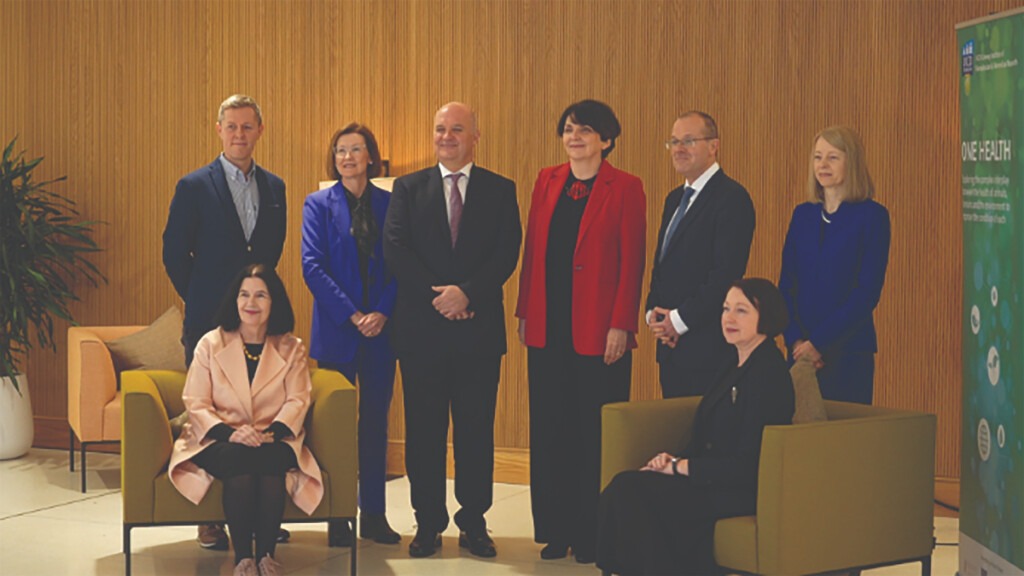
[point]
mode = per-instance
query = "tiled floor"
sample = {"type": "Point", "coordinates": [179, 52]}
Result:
{"type": "Point", "coordinates": [48, 527]}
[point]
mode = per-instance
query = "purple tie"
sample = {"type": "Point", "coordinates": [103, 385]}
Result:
{"type": "Point", "coordinates": [455, 207]}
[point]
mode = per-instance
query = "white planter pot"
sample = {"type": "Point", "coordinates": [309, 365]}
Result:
{"type": "Point", "coordinates": [16, 425]}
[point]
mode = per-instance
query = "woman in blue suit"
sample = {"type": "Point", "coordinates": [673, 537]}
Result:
{"type": "Point", "coordinates": [353, 296]}
{"type": "Point", "coordinates": [833, 268]}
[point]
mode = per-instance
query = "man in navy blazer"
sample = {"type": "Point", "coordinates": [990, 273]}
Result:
{"type": "Point", "coordinates": [451, 238]}
{"type": "Point", "coordinates": [223, 216]}
{"type": "Point", "coordinates": [703, 246]}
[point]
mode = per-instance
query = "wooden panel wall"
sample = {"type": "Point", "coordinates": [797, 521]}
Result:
{"type": "Point", "coordinates": [121, 96]}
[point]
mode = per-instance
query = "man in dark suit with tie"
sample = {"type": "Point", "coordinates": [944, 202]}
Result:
{"type": "Point", "coordinates": [223, 216]}
{"type": "Point", "coordinates": [451, 238]}
{"type": "Point", "coordinates": [703, 246]}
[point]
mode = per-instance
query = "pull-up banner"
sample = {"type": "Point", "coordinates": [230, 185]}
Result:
{"type": "Point", "coordinates": [991, 63]}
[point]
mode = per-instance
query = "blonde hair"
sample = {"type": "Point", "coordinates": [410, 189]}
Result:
{"type": "Point", "coordinates": [239, 101]}
{"type": "Point", "coordinates": [858, 186]}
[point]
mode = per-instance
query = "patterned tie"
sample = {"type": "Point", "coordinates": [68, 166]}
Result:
{"type": "Point", "coordinates": [454, 207]}
{"type": "Point", "coordinates": [688, 193]}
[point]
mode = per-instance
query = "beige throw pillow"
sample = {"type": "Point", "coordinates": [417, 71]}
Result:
{"type": "Point", "coordinates": [157, 347]}
{"type": "Point", "coordinates": [809, 405]}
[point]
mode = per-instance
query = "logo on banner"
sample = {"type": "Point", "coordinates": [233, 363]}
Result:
{"type": "Point", "coordinates": [967, 64]}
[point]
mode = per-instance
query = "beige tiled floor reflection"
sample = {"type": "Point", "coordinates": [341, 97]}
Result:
{"type": "Point", "coordinates": [48, 527]}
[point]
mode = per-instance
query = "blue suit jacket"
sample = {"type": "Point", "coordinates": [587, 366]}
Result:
{"type": "Point", "coordinates": [204, 245]}
{"type": "Point", "coordinates": [330, 265]}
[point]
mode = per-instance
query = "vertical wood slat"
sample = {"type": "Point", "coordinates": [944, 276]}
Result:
{"type": "Point", "coordinates": [121, 96]}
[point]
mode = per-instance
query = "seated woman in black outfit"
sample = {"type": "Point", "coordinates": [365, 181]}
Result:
{"type": "Point", "coordinates": [661, 519]}
{"type": "Point", "coordinates": [247, 394]}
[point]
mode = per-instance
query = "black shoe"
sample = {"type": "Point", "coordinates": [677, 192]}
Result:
{"type": "Point", "coordinates": [283, 536]}
{"type": "Point", "coordinates": [339, 534]}
{"type": "Point", "coordinates": [478, 542]}
{"type": "Point", "coordinates": [425, 543]}
{"type": "Point", "coordinates": [554, 551]}
{"type": "Point", "coordinates": [375, 527]}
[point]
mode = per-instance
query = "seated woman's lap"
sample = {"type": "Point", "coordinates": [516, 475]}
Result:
{"type": "Point", "coordinates": [229, 459]}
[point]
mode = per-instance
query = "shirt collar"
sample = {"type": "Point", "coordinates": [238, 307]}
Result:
{"type": "Point", "coordinates": [234, 173]}
{"type": "Point", "coordinates": [701, 181]}
{"type": "Point", "coordinates": [465, 170]}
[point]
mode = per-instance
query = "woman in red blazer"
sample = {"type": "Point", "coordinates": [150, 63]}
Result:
{"type": "Point", "coordinates": [578, 310]}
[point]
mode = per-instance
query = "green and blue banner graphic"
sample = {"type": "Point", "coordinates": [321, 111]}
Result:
{"type": "Point", "coordinates": [991, 63]}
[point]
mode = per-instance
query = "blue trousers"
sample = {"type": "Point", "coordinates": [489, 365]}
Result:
{"type": "Point", "coordinates": [848, 377]}
{"type": "Point", "coordinates": [376, 381]}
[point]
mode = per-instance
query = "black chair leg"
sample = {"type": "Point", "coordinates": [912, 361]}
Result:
{"type": "Point", "coordinates": [83, 467]}
{"type": "Point", "coordinates": [355, 547]}
{"type": "Point", "coordinates": [126, 539]}
{"type": "Point", "coordinates": [926, 566]}
{"type": "Point", "coordinates": [71, 448]}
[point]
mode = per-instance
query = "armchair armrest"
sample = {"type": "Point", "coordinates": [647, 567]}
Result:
{"type": "Point", "coordinates": [145, 441]}
{"type": "Point", "coordinates": [92, 382]}
{"type": "Point", "coordinates": [331, 436]}
{"type": "Point", "coordinates": [633, 432]}
{"type": "Point", "coordinates": [875, 473]}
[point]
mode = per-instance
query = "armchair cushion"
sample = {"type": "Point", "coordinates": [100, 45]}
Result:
{"type": "Point", "coordinates": [156, 347]}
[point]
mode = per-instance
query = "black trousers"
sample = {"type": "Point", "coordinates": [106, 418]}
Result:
{"type": "Point", "coordinates": [652, 523]}
{"type": "Point", "coordinates": [567, 391]}
{"type": "Point", "coordinates": [465, 385]}
{"type": "Point", "coordinates": [681, 380]}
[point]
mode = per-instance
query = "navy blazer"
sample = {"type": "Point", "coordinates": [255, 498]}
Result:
{"type": "Point", "coordinates": [204, 245]}
{"type": "Point", "coordinates": [707, 253]}
{"type": "Point", "coordinates": [330, 266]}
{"type": "Point", "coordinates": [418, 249]}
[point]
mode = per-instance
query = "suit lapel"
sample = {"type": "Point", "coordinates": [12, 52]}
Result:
{"type": "Point", "coordinates": [598, 196]}
{"type": "Point", "coordinates": [340, 215]}
{"type": "Point", "coordinates": [704, 199]}
{"type": "Point", "coordinates": [220, 184]}
{"type": "Point", "coordinates": [271, 364]}
{"type": "Point", "coordinates": [231, 361]}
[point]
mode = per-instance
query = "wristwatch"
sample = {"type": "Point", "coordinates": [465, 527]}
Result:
{"type": "Point", "coordinates": [675, 469]}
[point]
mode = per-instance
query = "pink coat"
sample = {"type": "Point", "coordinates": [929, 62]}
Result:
{"type": "Point", "coordinates": [217, 390]}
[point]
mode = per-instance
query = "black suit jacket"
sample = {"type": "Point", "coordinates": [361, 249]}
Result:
{"type": "Point", "coordinates": [418, 250]}
{"type": "Point", "coordinates": [725, 448]}
{"type": "Point", "coordinates": [707, 253]}
{"type": "Point", "coordinates": [204, 245]}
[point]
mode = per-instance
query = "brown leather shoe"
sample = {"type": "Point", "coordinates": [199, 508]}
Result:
{"type": "Point", "coordinates": [213, 537]}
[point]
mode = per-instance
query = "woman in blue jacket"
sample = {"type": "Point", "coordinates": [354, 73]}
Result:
{"type": "Point", "coordinates": [353, 296]}
{"type": "Point", "coordinates": [833, 268]}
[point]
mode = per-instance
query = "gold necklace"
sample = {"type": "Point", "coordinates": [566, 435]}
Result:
{"type": "Point", "coordinates": [250, 355]}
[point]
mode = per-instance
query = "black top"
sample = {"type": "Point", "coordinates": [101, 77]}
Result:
{"type": "Point", "coordinates": [364, 230]}
{"type": "Point", "coordinates": [564, 231]}
{"type": "Point", "coordinates": [254, 351]}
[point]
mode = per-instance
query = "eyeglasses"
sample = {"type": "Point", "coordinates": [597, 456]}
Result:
{"type": "Point", "coordinates": [686, 142]}
{"type": "Point", "coordinates": [342, 152]}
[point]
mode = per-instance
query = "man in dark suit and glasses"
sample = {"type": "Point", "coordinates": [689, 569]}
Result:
{"type": "Point", "coordinates": [451, 238]}
{"type": "Point", "coordinates": [224, 216]}
{"type": "Point", "coordinates": [703, 246]}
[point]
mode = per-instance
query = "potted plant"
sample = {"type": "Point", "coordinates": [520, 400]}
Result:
{"type": "Point", "coordinates": [43, 251]}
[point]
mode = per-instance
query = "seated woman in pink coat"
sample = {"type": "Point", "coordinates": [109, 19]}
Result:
{"type": "Point", "coordinates": [247, 394]}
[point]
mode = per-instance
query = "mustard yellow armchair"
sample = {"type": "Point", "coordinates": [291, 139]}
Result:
{"type": "Point", "coordinates": [853, 492]}
{"type": "Point", "coordinates": [94, 402]}
{"type": "Point", "coordinates": [151, 398]}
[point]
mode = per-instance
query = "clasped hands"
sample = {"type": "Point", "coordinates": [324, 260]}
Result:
{"type": "Point", "coordinates": [666, 463]}
{"type": "Point", "coordinates": [451, 302]}
{"type": "Point", "coordinates": [803, 348]}
{"type": "Point", "coordinates": [251, 437]}
{"type": "Point", "coordinates": [661, 326]}
{"type": "Point", "coordinates": [369, 325]}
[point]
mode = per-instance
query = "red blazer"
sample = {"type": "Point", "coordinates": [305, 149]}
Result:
{"type": "Point", "coordinates": [608, 263]}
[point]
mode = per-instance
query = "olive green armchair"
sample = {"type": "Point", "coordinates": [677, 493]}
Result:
{"type": "Point", "coordinates": [152, 398]}
{"type": "Point", "coordinates": [850, 493]}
